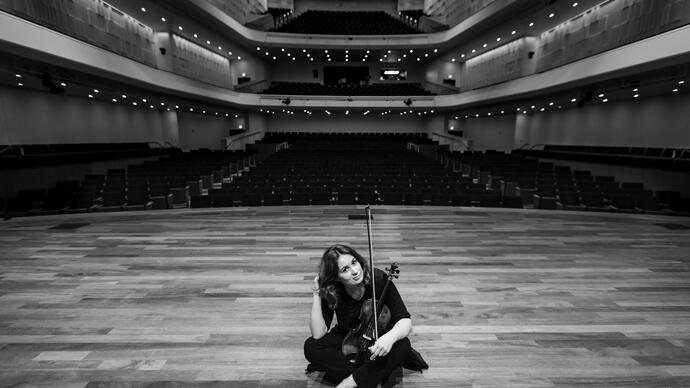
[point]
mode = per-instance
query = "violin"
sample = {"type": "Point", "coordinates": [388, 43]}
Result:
{"type": "Point", "coordinates": [358, 340]}
{"type": "Point", "coordinates": [374, 316]}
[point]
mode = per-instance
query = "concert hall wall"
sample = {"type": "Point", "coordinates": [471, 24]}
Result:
{"type": "Point", "coordinates": [301, 72]}
{"type": "Point", "coordinates": [338, 122]}
{"type": "Point", "coordinates": [661, 121]}
{"type": "Point", "coordinates": [390, 6]}
{"type": "Point", "coordinates": [42, 118]}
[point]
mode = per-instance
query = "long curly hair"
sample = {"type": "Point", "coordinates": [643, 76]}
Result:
{"type": "Point", "coordinates": [330, 287]}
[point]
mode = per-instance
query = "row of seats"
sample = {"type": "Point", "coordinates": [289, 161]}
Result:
{"type": "Point", "coordinates": [644, 157]}
{"type": "Point", "coordinates": [36, 155]}
{"type": "Point", "coordinates": [346, 23]}
{"type": "Point", "coordinates": [347, 89]}
{"type": "Point", "coordinates": [325, 169]}
{"type": "Point", "coordinates": [544, 185]}
{"type": "Point", "coordinates": [351, 169]}
{"type": "Point", "coordinates": [165, 183]}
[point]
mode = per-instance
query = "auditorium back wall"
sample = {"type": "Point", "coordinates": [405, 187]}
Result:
{"type": "Point", "coordinates": [338, 122]}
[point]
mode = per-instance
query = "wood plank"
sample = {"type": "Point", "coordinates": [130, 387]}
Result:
{"type": "Point", "coordinates": [199, 298]}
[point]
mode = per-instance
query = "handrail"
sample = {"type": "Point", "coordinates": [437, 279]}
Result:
{"type": "Point", "coordinates": [282, 146]}
{"type": "Point", "coordinates": [462, 142]}
{"type": "Point", "coordinates": [9, 147]}
{"type": "Point", "coordinates": [446, 136]}
{"type": "Point", "coordinates": [242, 136]}
{"type": "Point", "coordinates": [230, 140]}
{"type": "Point", "coordinates": [412, 146]}
{"type": "Point", "coordinates": [252, 86]}
{"type": "Point", "coordinates": [447, 89]}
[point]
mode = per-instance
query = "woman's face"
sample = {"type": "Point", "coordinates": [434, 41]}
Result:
{"type": "Point", "coordinates": [350, 271]}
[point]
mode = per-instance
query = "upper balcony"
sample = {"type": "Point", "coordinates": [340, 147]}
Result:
{"type": "Point", "coordinates": [608, 40]}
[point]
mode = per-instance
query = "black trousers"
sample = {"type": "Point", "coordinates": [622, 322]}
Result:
{"type": "Point", "coordinates": [326, 354]}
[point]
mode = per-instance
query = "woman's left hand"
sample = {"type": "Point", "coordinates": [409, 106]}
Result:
{"type": "Point", "coordinates": [382, 347]}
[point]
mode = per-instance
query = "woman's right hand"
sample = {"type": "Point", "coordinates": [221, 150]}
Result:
{"type": "Point", "coordinates": [315, 285]}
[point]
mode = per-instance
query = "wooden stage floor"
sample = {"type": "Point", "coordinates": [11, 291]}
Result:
{"type": "Point", "coordinates": [221, 297]}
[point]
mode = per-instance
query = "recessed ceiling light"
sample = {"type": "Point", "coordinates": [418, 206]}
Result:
{"type": "Point", "coordinates": [63, 84]}
{"type": "Point", "coordinates": [552, 15]}
{"type": "Point", "coordinates": [605, 100]}
{"type": "Point", "coordinates": [90, 95]}
{"type": "Point", "coordinates": [675, 90]}
{"type": "Point", "coordinates": [20, 84]}
{"type": "Point", "coordinates": [163, 19]}
{"type": "Point", "coordinates": [143, 9]}
{"type": "Point", "coordinates": [513, 32]}
{"type": "Point", "coordinates": [574, 4]}
{"type": "Point", "coordinates": [196, 36]}
{"type": "Point", "coordinates": [601, 95]}
{"type": "Point", "coordinates": [18, 75]}
{"type": "Point", "coordinates": [531, 24]}
{"type": "Point", "coordinates": [636, 95]}
{"type": "Point", "coordinates": [681, 82]}
{"type": "Point", "coordinates": [179, 28]}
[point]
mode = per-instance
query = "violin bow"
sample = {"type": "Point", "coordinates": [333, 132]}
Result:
{"type": "Point", "coordinates": [371, 268]}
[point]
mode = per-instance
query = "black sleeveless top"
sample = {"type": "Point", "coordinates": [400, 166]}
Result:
{"type": "Point", "coordinates": [348, 310]}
